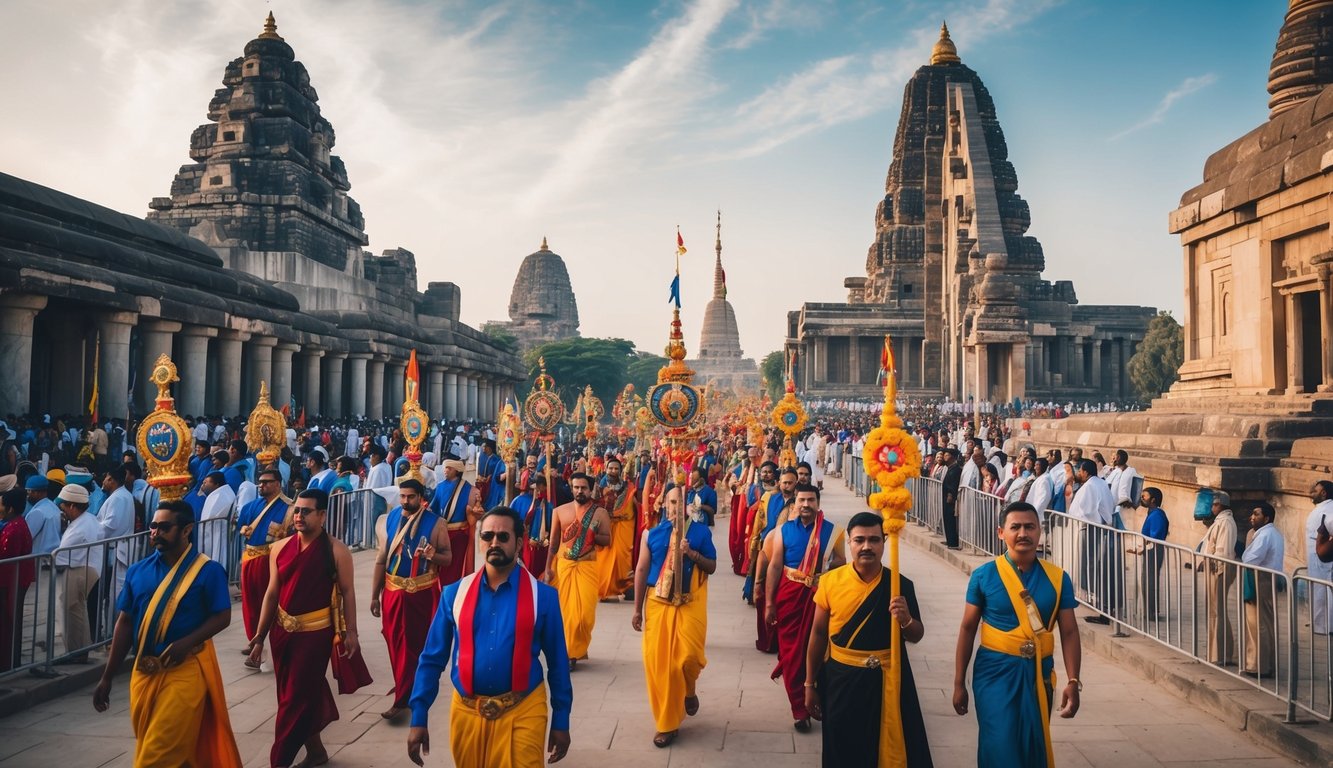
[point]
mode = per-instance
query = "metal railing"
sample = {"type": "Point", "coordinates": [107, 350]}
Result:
{"type": "Point", "coordinates": [927, 503]}
{"type": "Point", "coordinates": [1310, 618]}
{"type": "Point", "coordinates": [352, 517]}
{"type": "Point", "coordinates": [978, 519]}
{"type": "Point", "coordinates": [217, 537]}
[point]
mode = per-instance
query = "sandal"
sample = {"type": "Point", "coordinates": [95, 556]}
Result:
{"type": "Point", "coordinates": [802, 725]}
{"type": "Point", "coordinates": [663, 740]}
{"type": "Point", "coordinates": [691, 705]}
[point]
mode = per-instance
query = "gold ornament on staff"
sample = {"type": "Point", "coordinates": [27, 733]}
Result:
{"type": "Point", "coordinates": [165, 440]}
{"type": "Point", "coordinates": [414, 420]}
{"type": "Point", "coordinates": [508, 434]}
{"type": "Point", "coordinates": [891, 457]}
{"type": "Point", "coordinates": [543, 410]}
{"type": "Point", "coordinates": [266, 430]}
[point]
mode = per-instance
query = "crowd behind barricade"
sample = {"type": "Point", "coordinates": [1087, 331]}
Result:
{"type": "Point", "coordinates": [919, 409]}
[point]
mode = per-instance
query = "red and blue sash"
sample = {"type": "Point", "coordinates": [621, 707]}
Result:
{"type": "Point", "coordinates": [465, 609]}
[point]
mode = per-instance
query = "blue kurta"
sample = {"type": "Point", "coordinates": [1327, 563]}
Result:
{"type": "Point", "coordinates": [1003, 684]}
{"type": "Point", "coordinates": [440, 500]}
{"type": "Point", "coordinates": [524, 506]}
{"type": "Point", "coordinates": [400, 560]}
{"type": "Point", "coordinates": [796, 537]}
{"type": "Point", "coordinates": [659, 541]}
{"type": "Point", "coordinates": [493, 625]}
{"type": "Point", "coordinates": [488, 464]}
{"type": "Point", "coordinates": [276, 514]}
{"type": "Point", "coordinates": [206, 596]}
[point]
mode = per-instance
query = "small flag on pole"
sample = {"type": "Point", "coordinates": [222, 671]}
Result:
{"type": "Point", "coordinates": [680, 243]}
{"type": "Point", "coordinates": [412, 378]}
{"type": "Point", "coordinates": [97, 364]}
{"type": "Point", "coordinates": [675, 291]}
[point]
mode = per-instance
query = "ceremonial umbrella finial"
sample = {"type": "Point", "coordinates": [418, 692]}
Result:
{"type": "Point", "coordinates": [270, 29]}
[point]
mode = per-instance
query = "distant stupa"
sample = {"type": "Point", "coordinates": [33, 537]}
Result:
{"type": "Point", "coordinates": [721, 361]}
{"type": "Point", "coordinates": [542, 306]}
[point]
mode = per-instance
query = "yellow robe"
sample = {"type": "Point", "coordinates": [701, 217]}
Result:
{"type": "Point", "coordinates": [516, 739]}
{"type": "Point", "coordinates": [182, 711]}
{"type": "Point", "coordinates": [577, 583]}
{"type": "Point", "coordinates": [673, 651]}
{"type": "Point", "coordinates": [615, 562]}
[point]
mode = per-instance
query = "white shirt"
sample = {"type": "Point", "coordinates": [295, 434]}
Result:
{"type": "Point", "coordinates": [213, 537]}
{"type": "Point", "coordinates": [1040, 495]}
{"type": "Point", "coordinates": [380, 476]}
{"type": "Point", "coordinates": [1121, 481]}
{"type": "Point", "coordinates": [84, 529]}
{"type": "Point", "coordinates": [971, 477]}
{"type": "Point", "coordinates": [1322, 510]}
{"type": "Point", "coordinates": [117, 519]}
{"type": "Point", "coordinates": [246, 492]}
{"type": "Point", "coordinates": [44, 523]}
{"type": "Point", "coordinates": [1265, 549]}
{"type": "Point", "coordinates": [1093, 502]}
{"type": "Point", "coordinates": [200, 432]}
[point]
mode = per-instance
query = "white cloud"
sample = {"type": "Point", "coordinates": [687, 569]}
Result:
{"type": "Point", "coordinates": [1188, 86]}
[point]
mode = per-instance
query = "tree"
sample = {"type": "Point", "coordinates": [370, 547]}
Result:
{"type": "Point", "coordinates": [642, 371]}
{"type": "Point", "coordinates": [501, 337]}
{"type": "Point", "coordinates": [576, 363]}
{"type": "Point", "coordinates": [773, 369]}
{"type": "Point", "coordinates": [1156, 364]}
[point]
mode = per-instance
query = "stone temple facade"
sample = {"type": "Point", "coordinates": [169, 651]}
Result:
{"type": "Point", "coordinates": [953, 277]}
{"type": "Point", "coordinates": [251, 270]}
{"type": "Point", "coordinates": [1252, 413]}
{"type": "Point", "coordinates": [542, 306]}
{"type": "Point", "coordinates": [721, 362]}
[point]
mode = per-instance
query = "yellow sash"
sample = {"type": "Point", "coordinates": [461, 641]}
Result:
{"type": "Point", "coordinates": [173, 601]}
{"type": "Point", "coordinates": [247, 530]}
{"type": "Point", "coordinates": [1032, 635]}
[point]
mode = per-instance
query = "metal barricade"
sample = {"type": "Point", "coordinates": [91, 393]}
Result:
{"type": "Point", "coordinates": [85, 581]}
{"type": "Point", "coordinates": [26, 607]}
{"type": "Point", "coordinates": [927, 503]}
{"type": "Point", "coordinates": [217, 537]}
{"type": "Point", "coordinates": [352, 517]}
{"type": "Point", "coordinates": [1310, 617]}
{"type": "Point", "coordinates": [978, 520]}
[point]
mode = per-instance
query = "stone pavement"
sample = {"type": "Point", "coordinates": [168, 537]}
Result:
{"type": "Point", "coordinates": [743, 720]}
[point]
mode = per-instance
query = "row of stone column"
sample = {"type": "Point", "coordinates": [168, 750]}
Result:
{"type": "Point", "coordinates": [1079, 362]}
{"type": "Point", "coordinates": [235, 364]}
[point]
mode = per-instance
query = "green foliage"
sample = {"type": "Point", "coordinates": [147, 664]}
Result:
{"type": "Point", "coordinates": [772, 369]}
{"type": "Point", "coordinates": [575, 363]}
{"type": "Point", "coordinates": [501, 338]}
{"type": "Point", "coordinates": [1154, 367]}
{"type": "Point", "coordinates": [643, 370]}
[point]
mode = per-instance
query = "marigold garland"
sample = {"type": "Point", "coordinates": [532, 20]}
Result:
{"type": "Point", "coordinates": [789, 416]}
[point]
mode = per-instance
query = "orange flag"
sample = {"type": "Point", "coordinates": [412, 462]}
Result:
{"type": "Point", "coordinates": [412, 381]}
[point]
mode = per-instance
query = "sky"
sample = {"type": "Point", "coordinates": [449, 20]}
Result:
{"type": "Point", "coordinates": [471, 130]}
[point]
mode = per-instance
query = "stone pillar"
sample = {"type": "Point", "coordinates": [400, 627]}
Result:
{"type": "Point", "coordinates": [17, 314]}
{"type": "Point", "coordinates": [260, 350]}
{"type": "Point", "coordinates": [229, 371]}
{"type": "Point", "coordinates": [854, 358]}
{"type": "Point", "coordinates": [310, 359]}
{"type": "Point", "coordinates": [1116, 368]}
{"type": "Point", "coordinates": [114, 373]}
{"type": "Point", "coordinates": [333, 384]}
{"type": "Point", "coordinates": [393, 383]}
{"type": "Point", "coordinates": [356, 376]}
{"type": "Point", "coordinates": [375, 388]}
{"type": "Point", "coordinates": [981, 361]}
{"type": "Point", "coordinates": [472, 387]}
{"type": "Point", "coordinates": [1076, 363]}
{"type": "Point", "coordinates": [192, 367]}
{"type": "Point", "coordinates": [1295, 350]}
{"type": "Point", "coordinates": [450, 395]}
{"type": "Point", "coordinates": [821, 359]}
{"type": "Point", "coordinates": [1017, 384]}
{"type": "Point", "coordinates": [1096, 364]}
{"type": "Point", "coordinates": [1038, 348]}
{"type": "Point", "coordinates": [155, 338]}
{"type": "Point", "coordinates": [435, 377]}
{"type": "Point", "coordinates": [280, 389]}
{"type": "Point", "coordinates": [1326, 332]}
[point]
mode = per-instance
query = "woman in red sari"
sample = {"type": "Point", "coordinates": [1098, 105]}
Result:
{"type": "Point", "coordinates": [15, 541]}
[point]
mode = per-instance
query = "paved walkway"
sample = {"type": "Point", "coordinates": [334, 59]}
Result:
{"type": "Point", "coordinates": [743, 721]}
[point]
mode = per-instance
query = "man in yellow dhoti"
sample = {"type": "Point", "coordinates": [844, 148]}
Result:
{"type": "Point", "coordinates": [674, 615]}
{"type": "Point", "coordinates": [615, 563]}
{"type": "Point", "coordinates": [173, 602]}
{"type": "Point", "coordinates": [579, 527]}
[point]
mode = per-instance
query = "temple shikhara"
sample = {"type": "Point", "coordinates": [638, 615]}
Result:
{"type": "Point", "coordinates": [721, 362]}
{"type": "Point", "coordinates": [953, 277]}
{"type": "Point", "coordinates": [542, 306]}
{"type": "Point", "coordinates": [251, 270]}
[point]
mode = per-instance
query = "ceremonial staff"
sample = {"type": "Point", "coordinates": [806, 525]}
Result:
{"type": "Point", "coordinates": [508, 430]}
{"type": "Point", "coordinates": [892, 458]}
{"type": "Point", "coordinates": [543, 411]}
{"type": "Point", "coordinates": [266, 430]}
{"type": "Point", "coordinates": [164, 437]}
{"type": "Point", "coordinates": [414, 419]}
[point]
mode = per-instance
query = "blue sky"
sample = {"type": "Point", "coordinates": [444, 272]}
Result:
{"type": "Point", "coordinates": [470, 130]}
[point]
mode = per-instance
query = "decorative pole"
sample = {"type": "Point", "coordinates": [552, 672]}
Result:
{"type": "Point", "coordinates": [789, 416]}
{"type": "Point", "coordinates": [414, 420]}
{"type": "Point", "coordinates": [266, 431]}
{"type": "Point", "coordinates": [508, 433]}
{"type": "Point", "coordinates": [165, 438]}
{"type": "Point", "coordinates": [543, 411]}
{"type": "Point", "coordinates": [892, 458]}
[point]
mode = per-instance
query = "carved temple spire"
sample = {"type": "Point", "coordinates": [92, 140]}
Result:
{"type": "Point", "coordinates": [544, 246]}
{"type": "Point", "coordinates": [719, 277]}
{"type": "Point", "coordinates": [1303, 59]}
{"type": "Point", "coordinates": [270, 29]}
{"type": "Point", "coordinates": [944, 51]}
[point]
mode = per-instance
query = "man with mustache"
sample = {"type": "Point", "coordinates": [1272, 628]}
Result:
{"type": "Point", "coordinates": [535, 508]}
{"type": "Point", "coordinates": [798, 550]}
{"type": "Point", "coordinates": [414, 546]}
{"type": "Point", "coordinates": [676, 558]}
{"type": "Point", "coordinates": [1017, 600]}
{"type": "Point", "coordinates": [850, 691]}
{"type": "Point", "coordinates": [579, 527]}
{"type": "Point", "coordinates": [458, 503]}
{"type": "Point", "coordinates": [615, 562]}
{"type": "Point", "coordinates": [492, 625]}
{"type": "Point", "coordinates": [174, 601]}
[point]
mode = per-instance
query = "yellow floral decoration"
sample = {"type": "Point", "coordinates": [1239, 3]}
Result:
{"type": "Point", "coordinates": [891, 456]}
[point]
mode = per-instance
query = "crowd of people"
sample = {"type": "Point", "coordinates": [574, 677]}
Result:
{"type": "Point", "coordinates": [497, 572]}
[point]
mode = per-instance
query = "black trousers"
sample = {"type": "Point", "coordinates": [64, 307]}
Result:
{"type": "Point", "coordinates": [951, 524]}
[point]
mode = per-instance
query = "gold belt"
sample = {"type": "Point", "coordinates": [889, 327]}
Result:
{"type": "Point", "coordinates": [493, 707]}
{"type": "Point", "coordinates": [1015, 643]}
{"type": "Point", "coordinates": [855, 658]}
{"type": "Point", "coordinates": [151, 665]}
{"type": "Point", "coordinates": [251, 552]}
{"type": "Point", "coordinates": [305, 622]}
{"type": "Point", "coordinates": [799, 577]}
{"type": "Point", "coordinates": [409, 584]}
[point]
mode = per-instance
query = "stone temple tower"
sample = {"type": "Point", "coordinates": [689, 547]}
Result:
{"type": "Point", "coordinates": [542, 306]}
{"type": "Point", "coordinates": [262, 174]}
{"type": "Point", "coordinates": [721, 360]}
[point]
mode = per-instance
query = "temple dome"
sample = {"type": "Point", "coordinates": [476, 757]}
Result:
{"type": "Point", "coordinates": [542, 306]}
{"type": "Point", "coordinates": [1303, 59]}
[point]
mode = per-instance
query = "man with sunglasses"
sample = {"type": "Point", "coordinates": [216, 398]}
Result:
{"type": "Point", "coordinates": [490, 628]}
{"type": "Point", "coordinates": [262, 522]}
{"type": "Point", "coordinates": [174, 601]}
{"type": "Point", "coordinates": [310, 608]}
{"type": "Point", "coordinates": [414, 546]}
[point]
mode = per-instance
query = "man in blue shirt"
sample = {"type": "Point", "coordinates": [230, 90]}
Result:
{"type": "Point", "coordinates": [173, 603]}
{"type": "Point", "coordinates": [1155, 528]}
{"type": "Point", "coordinates": [489, 628]}
{"type": "Point", "coordinates": [701, 501]}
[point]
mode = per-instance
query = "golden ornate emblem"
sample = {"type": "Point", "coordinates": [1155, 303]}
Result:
{"type": "Point", "coordinates": [872, 662]}
{"type": "Point", "coordinates": [148, 665]}
{"type": "Point", "coordinates": [266, 431]}
{"type": "Point", "coordinates": [165, 439]}
{"type": "Point", "coordinates": [489, 708]}
{"type": "Point", "coordinates": [1028, 650]}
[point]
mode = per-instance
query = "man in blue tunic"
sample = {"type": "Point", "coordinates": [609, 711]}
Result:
{"type": "Point", "coordinates": [1017, 600]}
{"type": "Point", "coordinates": [491, 473]}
